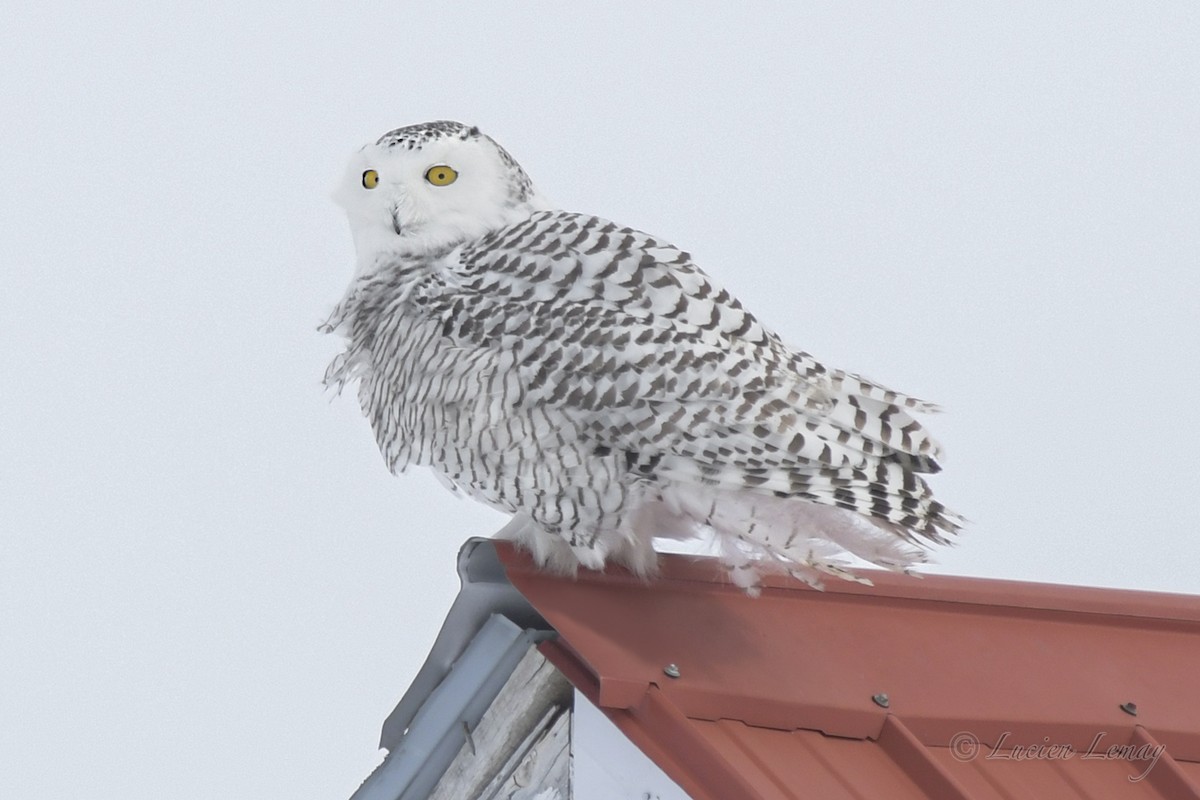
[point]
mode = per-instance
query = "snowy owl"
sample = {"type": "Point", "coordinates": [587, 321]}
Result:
{"type": "Point", "coordinates": [592, 381]}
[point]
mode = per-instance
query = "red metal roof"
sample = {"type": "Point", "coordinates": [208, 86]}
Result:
{"type": "Point", "coordinates": [994, 689]}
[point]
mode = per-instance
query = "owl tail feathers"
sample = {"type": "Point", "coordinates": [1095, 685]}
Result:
{"type": "Point", "coordinates": [763, 534]}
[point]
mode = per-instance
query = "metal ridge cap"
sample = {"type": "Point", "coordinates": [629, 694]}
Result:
{"type": "Point", "coordinates": [708, 574]}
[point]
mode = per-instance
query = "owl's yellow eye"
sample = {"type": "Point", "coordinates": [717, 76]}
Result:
{"type": "Point", "coordinates": [441, 175]}
{"type": "Point", "coordinates": [370, 179]}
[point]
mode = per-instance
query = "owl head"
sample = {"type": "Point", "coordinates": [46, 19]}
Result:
{"type": "Point", "coordinates": [428, 187]}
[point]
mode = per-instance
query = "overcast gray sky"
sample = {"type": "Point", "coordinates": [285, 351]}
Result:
{"type": "Point", "coordinates": [211, 587]}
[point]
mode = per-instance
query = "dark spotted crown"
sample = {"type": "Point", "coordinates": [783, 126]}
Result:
{"type": "Point", "coordinates": [414, 136]}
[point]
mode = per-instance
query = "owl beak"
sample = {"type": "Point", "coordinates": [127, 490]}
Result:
{"type": "Point", "coordinates": [396, 221]}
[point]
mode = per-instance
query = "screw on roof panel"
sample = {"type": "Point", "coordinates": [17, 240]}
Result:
{"type": "Point", "coordinates": [881, 700]}
{"type": "Point", "coordinates": [671, 671]}
{"type": "Point", "coordinates": [1129, 708]}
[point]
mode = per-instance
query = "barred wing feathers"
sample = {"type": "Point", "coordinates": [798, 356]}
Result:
{"type": "Point", "coordinates": [632, 342]}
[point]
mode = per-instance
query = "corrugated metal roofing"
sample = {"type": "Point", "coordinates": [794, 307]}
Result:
{"type": "Point", "coordinates": [938, 687]}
